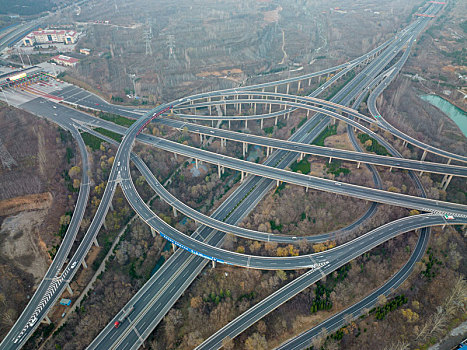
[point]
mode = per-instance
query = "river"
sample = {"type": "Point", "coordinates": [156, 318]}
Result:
{"type": "Point", "coordinates": [457, 115]}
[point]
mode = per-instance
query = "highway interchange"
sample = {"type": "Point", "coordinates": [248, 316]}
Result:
{"type": "Point", "coordinates": [182, 268]}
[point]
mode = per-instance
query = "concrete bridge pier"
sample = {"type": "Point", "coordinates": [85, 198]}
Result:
{"type": "Point", "coordinates": [229, 124]}
{"type": "Point", "coordinates": [68, 288]}
{"type": "Point", "coordinates": [201, 139]}
{"type": "Point", "coordinates": [85, 266]}
{"type": "Point", "coordinates": [404, 143]}
{"type": "Point", "coordinates": [307, 113]}
{"type": "Point", "coordinates": [245, 149]}
{"type": "Point", "coordinates": [275, 89]}
{"type": "Point", "coordinates": [175, 156]}
{"type": "Point", "coordinates": [319, 79]}
{"type": "Point", "coordinates": [96, 243]}
{"type": "Point", "coordinates": [301, 156]}
{"type": "Point", "coordinates": [275, 121]}
{"type": "Point", "coordinates": [196, 163]}
{"type": "Point", "coordinates": [298, 89]}
{"type": "Point", "coordinates": [270, 108]}
{"type": "Point", "coordinates": [358, 165]}
{"type": "Point", "coordinates": [288, 88]}
{"type": "Point", "coordinates": [446, 180]}
{"type": "Point", "coordinates": [219, 170]}
{"type": "Point", "coordinates": [309, 82]}
{"type": "Point", "coordinates": [330, 159]}
{"type": "Point", "coordinates": [174, 247]}
{"type": "Point", "coordinates": [268, 151]}
{"type": "Point", "coordinates": [254, 108]}
{"type": "Point", "coordinates": [153, 232]}
{"type": "Point", "coordinates": [449, 161]}
{"type": "Point", "coordinates": [390, 168]}
{"type": "Point", "coordinates": [174, 211]}
{"type": "Point", "coordinates": [242, 176]}
{"type": "Point", "coordinates": [246, 123]}
{"type": "Point", "coordinates": [213, 264]}
{"type": "Point", "coordinates": [46, 319]}
{"type": "Point", "coordinates": [261, 123]}
{"type": "Point", "coordinates": [277, 183]}
{"type": "Point", "coordinates": [209, 100]}
{"type": "Point", "coordinates": [423, 155]}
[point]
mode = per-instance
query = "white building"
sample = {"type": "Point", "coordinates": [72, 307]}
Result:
{"type": "Point", "coordinates": [50, 36]}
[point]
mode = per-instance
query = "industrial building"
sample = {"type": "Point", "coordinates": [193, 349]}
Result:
{"type": "Point", "coordinates": [50, 36]}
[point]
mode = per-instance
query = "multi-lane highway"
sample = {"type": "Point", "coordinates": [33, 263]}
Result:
{"type": "Point", "coordinates": [54, 282]}
{"type": "Point", "coordinates": [180, 270]}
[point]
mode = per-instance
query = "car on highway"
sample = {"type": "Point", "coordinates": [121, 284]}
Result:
{"type": "Point", "coordinates": [116, 324]}
{"type": "Point", "coordinates": [449, 217]}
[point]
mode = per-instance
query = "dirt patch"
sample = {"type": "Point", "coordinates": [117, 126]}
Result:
{"type": "Point", "coordinates": [23, 203]}
{"type": "Point", "coordinates": [20, 242]}
{"type": "Point", "coordinates": [339, 141]}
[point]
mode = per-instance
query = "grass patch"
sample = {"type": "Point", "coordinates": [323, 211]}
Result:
{"type": "Point", "coordinates": [92, 141]}
{"type": "Point", "coordinates": [269, 130]}
{"type": "Point", "coordinates": [111, 134]}
{"type": "Point", "coordinates": [329, 131]}
{"type": "Point", "coordinates": [336, 169]}
{"type": "Point", "coordinates": [303, 166]}
{"type": "Point", "coordinates": [117, 119]}
{"type": "Point", "coordinates": [374, 147]}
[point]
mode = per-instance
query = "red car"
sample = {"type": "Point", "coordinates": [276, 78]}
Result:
{"type": "Point", "coordinates": [117, 324]}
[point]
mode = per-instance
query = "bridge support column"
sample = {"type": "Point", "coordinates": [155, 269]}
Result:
{"type": "Point", "coordinates": [449, 161]}
{"type": "Point", "coordinates": [358, 165]}
{"type": "Point", "coordinates": [270, 107]}
{"type": "Point", "coordinates": [242, 176]}
{"type": "Point", "coordinates": [175, 156]}
{"type": "Point", "coordinates": [68, 288]}
{"type": "Point", "coordinates": [46, 319]}
{"type": "Point", "coordinates": [209, 107]}
{"type": "Point", "coordinates": [196, 163]}
{"type": "Point", "coordinates": [288, 116]}
{"type": "Point", "coordinates": [446, 182]}
{"type": "Point", "coordinates": [330, 159]}
{"type": "Point", "coordinates": [201, 139]}
{"type": "Point", "coordinates": [306, 189]}
{"type": "Point", "coordinates": [213, 264]}
{"type": "Point", "coordinates": [254, 108]}
{"type": "Point", "coordinates": [307, 113]}
{"type": "Point", "coordinates": [96, 243]}
{"type": "Point", "coordinates": [423, 155]}
{"type": "Point", "coordinates": [404, 143]}
{"type": "Point", "coordinates": [240, 108]}
{"type": "Point", "coordinates": [85, 266]}
{"type": "Point", "coordinates": [309, 82]}
{"type": "Point", "coordinates": [275, 89]}
{"type": "Point", "coordinates": [261, 121]}
{"type": "Point", "coordinates": [288, 87]}
{"type": "Point", "coordinates": [298, 89]}
{"type": "Point", "coordinates": [219, 169]}
{"type": "Point", "coordinates": [229, 124]}
{"type": "Point", "coordinates": [390, 168]}
{"type": "Point", "coordinates": [421, 173]}
{"type": "Point", "coordinates": [275, 121]}
{"type": "Point", "coordinates": [319, 79]}
{"type": "Point", "coordinates": [246, 123]}
{"type": "Point", "coordinates": [277, 183]}
{"type": "Point", "coordinates": [222, 143]}
{"type": "Point", "coordinates": [153, 232]}
{"type": "Point", "coordinates": [174, 247]}
{"type": "Point", "coordinates": [301, 157]}
{"type": "Point", "coordinates": [245, 149]}
{"type": "Point", "coordinates": [174, 210]}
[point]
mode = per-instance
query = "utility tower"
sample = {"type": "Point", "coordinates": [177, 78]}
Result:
{"type": "Point", "coordinates": [171, 45]}
{"type": "Point", "coordinates": [147, 36]}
